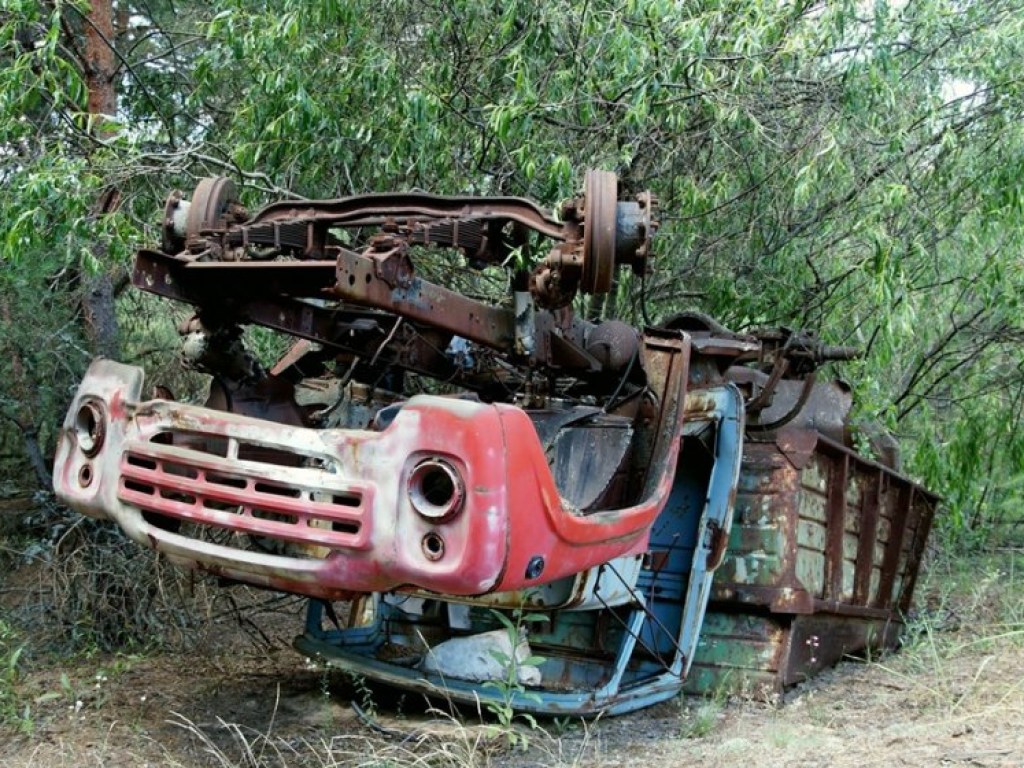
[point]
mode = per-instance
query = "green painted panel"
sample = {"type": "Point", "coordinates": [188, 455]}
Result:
{"type": "Point", "coordinates": [755, 538]}
{"type": "Point", "coordinates": [756, 509]}
{"type": "Point", "coordinates": [879, 555]}
{"type": "Point", "coordinates": [810, 570]}
{"type": "Point", "coordinates": [850, 545]}
{"type": "Point", "coordinates": [849, 570]}
{"type": "Point", "coordinates": [736, 652]}
{"type": "Point", "coordinates": [741, 624]}
{"type": "Point", "coordinates": [854, 493]}
{"type": "Point", "coordinates": [754, 482]}
{"type": "Point", "coordinates": [810, 534]}
{"type": "Point", "coordinates": [884, 528]}
{"type": "Point", "coordinates": [750, 569]}
{"type": "Point", "coordinates": [813, 506]}
{"type": "Point", "coordinates": [815, 475]}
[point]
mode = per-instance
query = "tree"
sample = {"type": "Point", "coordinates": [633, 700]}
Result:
{"type": "Point", "coordinates": [848, 167]}
{"type": "Point", "coordinates": [67, 160]}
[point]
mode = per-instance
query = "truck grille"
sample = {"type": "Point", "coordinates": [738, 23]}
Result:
{"type": "Point", "coordinates": [193, 486]}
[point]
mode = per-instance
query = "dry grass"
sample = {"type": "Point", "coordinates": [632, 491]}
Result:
{"type": "Point", "coordinates": [953, 695]}
{"type": "Point", "coordinates": [81, 588]}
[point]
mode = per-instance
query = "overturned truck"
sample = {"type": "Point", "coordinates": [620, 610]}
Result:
{"type": "Point", "coordinates": [475, 484]}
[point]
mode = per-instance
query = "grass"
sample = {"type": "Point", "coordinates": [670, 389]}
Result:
{"type": "Point", "coordinates": [702, 719]}
{"type": "Point", "coordinates": [955, 688]}
{"type": "Point", "coordinates": [443, 741]}
{"type": "Point", "coordinates": [968, 631]}
{"type": "Point", "coordinates": [14, 711]}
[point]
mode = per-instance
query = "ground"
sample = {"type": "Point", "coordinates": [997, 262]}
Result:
{"type": "Point", "coordinates": [954, 695]}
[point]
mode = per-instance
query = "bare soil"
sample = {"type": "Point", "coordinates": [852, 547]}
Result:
{"type": "Point", "coordinates": [954, 695]}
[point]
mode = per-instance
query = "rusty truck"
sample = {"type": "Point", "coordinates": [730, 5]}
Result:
{"type": "Point", "coordinates": [473, 481]}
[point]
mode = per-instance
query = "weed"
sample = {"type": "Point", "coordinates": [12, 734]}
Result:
{"type": "Point", "coordinates": [701, 720]}
{"type": "Point", "coordinates": [972, 617]}
{"type": "Point", "coordinates": [12, 710]}
{"type": "Point", "coordinates": [363, 691]}
{"type": "Point", "coordinates": [567, 724]}
{"type": "Point", "coordinates": [510, 688]}
{"type": "Point", "coordinates": [443, 742]}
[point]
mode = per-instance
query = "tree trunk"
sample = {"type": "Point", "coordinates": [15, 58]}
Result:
{"type": "Point", "coordinates": [26, 412]}
{"type": "Point", "coordinates": [34, 452]}
{"type": "Point", "coordinates": [100, 66]}
{"type": "Point", "coordinates": [100, 63]}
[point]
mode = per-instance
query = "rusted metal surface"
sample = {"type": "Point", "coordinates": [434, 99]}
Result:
{"type": "Point", "coordinates": [834, 530]}
{"type": "Point", "coordinates": [588, 472]}
{"type": "Point", "coordinates": [823, 555]}
{"type": "Point", "coordinates": [599, 194]}
{"type": "Point", "coordinates": [767, 653]}
{"type": "Point", "coordinates": [360, 279]}
{"type": "Point", "coordinates": [343, 490]}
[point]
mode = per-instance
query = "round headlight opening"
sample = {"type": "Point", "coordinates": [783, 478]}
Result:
{"type": "Point", "coordinates": [436, 489]}
{"type": "Point", "coordinates": [90, 427]}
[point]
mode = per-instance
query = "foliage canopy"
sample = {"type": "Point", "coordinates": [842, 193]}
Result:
{"type": "Point", "coordinates": [850, 167]}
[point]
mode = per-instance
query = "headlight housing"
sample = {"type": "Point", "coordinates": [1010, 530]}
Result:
{"type": "Point", "coordinates": [436, 490]}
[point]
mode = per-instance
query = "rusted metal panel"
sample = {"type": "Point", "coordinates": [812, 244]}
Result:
{"type": "Point", "coordinates": [737, 651]}
{"type": "Point", "coordinates": [359, 279]}
{"type": "Point", "coordinates": [838, 544]}
{"type": "Point", "coordinates": [842, 539]}
{"type": "Point", "coordinates": [767, 653]}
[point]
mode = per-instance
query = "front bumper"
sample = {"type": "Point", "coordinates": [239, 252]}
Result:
{"type": "Point", "coordinates": [203, 486]}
